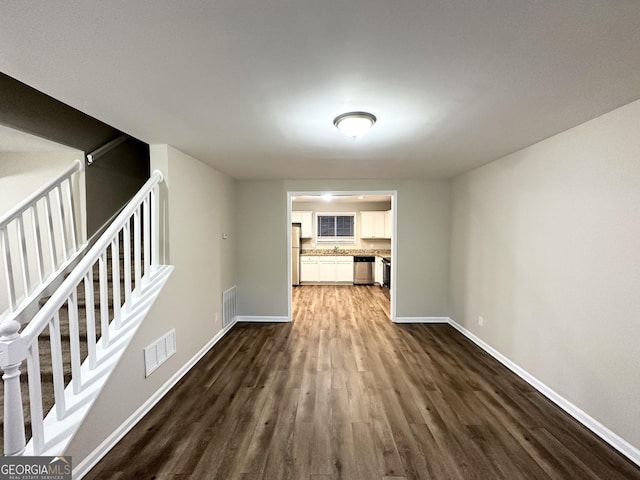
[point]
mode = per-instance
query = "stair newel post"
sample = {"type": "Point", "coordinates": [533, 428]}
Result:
{"type": "Point", "coordinates": [14, 437]}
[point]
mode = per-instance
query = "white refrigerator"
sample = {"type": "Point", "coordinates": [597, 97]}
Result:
{"type": "Point", "coordinates": [295, 254]}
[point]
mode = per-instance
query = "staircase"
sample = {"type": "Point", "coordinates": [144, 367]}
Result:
{"type": "Point", "coordinates": [77, 336]}
{"type": "Point", "coordinates": [44, 342]}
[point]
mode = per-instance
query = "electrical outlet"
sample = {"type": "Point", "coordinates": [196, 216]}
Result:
{"type": "Point", "coordinates": [481, 321]}
{"type": "Point", "coordinates": [217, 317]}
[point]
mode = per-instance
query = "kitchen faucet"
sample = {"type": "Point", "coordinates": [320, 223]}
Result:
{"type": "Point", "coordinates": [335, 249]}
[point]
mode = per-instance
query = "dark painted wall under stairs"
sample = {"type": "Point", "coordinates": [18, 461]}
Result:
{"type": "Point", "coordinates": [113, 179]}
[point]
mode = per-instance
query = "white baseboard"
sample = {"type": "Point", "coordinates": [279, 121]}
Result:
{"type": "Point", "coordinates": [613, 439]}
{"type": "Point", "coordinates": [422, 320]}
{"type": "Point", "coordinates": [251, 318]}
{"type": "Point", "coordinates": [94, 457]}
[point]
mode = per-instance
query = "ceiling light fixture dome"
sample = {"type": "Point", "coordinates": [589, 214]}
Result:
{"type": "Point", "coordinates": [354, 124]}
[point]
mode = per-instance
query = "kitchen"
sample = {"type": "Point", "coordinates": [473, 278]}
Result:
{"type": "Point", "coordinates": [341, 240]}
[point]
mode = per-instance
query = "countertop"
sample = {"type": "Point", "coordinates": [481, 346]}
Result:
{"type": "Point", "coordinates": [322, 252]}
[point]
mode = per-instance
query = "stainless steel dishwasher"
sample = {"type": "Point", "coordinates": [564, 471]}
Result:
{"type": "Point", "coordinates": [363, 269]}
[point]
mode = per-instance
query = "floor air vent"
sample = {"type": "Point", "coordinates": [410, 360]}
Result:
{"type": "Point", "coordinates": [229, 306]}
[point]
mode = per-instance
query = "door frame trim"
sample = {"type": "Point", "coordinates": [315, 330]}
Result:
{"type": "Point", "coordinates": [394, 239]}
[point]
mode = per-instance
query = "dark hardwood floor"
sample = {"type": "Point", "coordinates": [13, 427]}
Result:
{"type": "Point", "coordinates": [343, 393]}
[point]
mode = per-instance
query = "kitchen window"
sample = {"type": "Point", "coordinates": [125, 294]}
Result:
{"type": "Point", "coordinates": [336, 228]}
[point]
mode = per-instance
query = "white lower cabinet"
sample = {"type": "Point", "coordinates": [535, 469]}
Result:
{"type": "Point", "coordinates": [309, 269]}
{"type": "Point", "coordinates": [344, 269]}
{"type": "Point", "coordinates": [326, 269]}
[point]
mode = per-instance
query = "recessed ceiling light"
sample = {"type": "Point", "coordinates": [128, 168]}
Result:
{"type": "Point", "coordinates": [354, 124]}
{"type": "Point", "coordinates": [327, 197]}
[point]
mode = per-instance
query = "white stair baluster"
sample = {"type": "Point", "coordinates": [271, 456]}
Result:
{"type": "Point", "coordinates": [137, 254]}
{"type": "Point", "coordinates": [52, 238]}
{"type": "Point", "coordinates": [63, 223]}
{"type": "Point", "coordinates": [126, 241]}
{"type": "Point", "coordinates": [90, 318]}
{"type": "Point", "coordinates": [115, 277]}
{"type": "Point", "coordinates": [57, 366]}
{"type": "Point", "coordinates": [74, 340]}
{"type": "Point", "coordinates": [38, 241]}
{"type": "Point", "coordinates": [72, 216]}
{"type": "Point", "coordinates": [155, 227]}
{"type": "Point", "coordinates": [35, 397]}
{"type": "Point", "coordinates": [6, 254]}
{"type": "Point", "coordinates": [24, 257]}
{"type": "Point", "coordinates": [104, 300]}
{"type": "Point", "coordinates": [146, 237]}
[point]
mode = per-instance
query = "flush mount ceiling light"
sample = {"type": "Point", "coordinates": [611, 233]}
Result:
{"type": "Point", "coordinates": [354, 124]}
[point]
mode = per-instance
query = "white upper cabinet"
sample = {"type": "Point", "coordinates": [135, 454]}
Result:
{"type": "Point", "coordinates": [372, 225]}
{"type": "Point", "coordinates": [388, 224]}
{"type": "Point", "coordinates": [305, 219]}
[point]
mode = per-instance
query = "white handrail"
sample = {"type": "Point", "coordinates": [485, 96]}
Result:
{"type": "Point", "coordinates": [16, 347]}
{"type": "Point", "coordinates": [98, 152]}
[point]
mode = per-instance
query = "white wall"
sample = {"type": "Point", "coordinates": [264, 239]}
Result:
{"type": "Point", "coordinates": [546, 246]}
{"type": "Point", "coordinates": [199, 206]}
{"type": "Point", "coordinates": [423, 243]}
{"type": "Point", "coordinates": [21, 174]}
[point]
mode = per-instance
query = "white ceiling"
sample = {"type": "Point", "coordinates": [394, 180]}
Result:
{"type": "Point", "coordinates": [252, 87]}
{"type": "Point", "coordinates": [15, 141]}
{"type": "Point", "coordinates": [343, 198]}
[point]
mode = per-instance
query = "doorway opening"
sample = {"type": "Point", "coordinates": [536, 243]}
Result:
{"type": "Point", "coordinates": [335, 231]}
